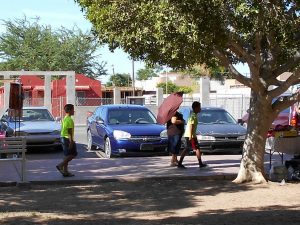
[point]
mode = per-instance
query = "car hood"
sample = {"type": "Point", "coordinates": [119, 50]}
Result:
{"type": "Point", "coordinates": [36, 126]}
{"type": "Point", "coordinates": [221, 130]}
{"type": "Point", "coordinates": [140, 129]}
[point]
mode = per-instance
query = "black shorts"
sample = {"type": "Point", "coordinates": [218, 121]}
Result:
{"type": "Point", "coordinates": [191, 145]}
{"type": "Point", "coordinates": [67, 151]}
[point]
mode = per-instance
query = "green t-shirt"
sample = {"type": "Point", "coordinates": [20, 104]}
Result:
{"type": "Point", "coordinates": [193, 120]}
{"type": "Point", "coordinates": [67, 123]}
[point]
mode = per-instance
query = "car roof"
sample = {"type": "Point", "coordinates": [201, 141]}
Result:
{"type": "Point", "coordinates": [203, 108]}
{"type": "Point", "coordinates": [124, 106]}
{"type": "Point", "coordinates": [34, 107]}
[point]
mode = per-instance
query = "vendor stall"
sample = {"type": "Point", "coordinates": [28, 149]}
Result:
{"type": "Point", "coordinates": [281, 145]}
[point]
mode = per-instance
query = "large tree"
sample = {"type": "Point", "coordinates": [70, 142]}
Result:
{"type": "Point", "coordinates": [27, 45]}
{"type": "Point", "coordinates": [147, 72]}
{"type": "Point", "coordinates": [120, 80]}
{"type": "Point", "coordinates": [262, 33]}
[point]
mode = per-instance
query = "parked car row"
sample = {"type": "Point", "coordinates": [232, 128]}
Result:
{"type": "Point", "coordinates": [132, 129]}
{"type": "Point", "coordinates": [124, 130]}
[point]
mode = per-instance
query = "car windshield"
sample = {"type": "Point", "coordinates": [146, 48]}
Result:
{"type": "Point", "coordinates": [215, 117]}
{"type": "Point", "coordinates": [130, 116]}
{"type": "Point", "coordinates": [34, 115]}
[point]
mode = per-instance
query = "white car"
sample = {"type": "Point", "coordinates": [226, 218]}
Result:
{"type": "Point", "coordinates": [37, 125]}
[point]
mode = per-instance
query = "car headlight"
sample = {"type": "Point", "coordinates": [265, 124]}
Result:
{"type": "Point", "coordinates": [163, 134]}
{"type": "Point", "coordinates": [119, 134]}
{"type": "Point", "coordinates": [20, 133]}
{"type": "Point", "coordinates": [205, 138]}
{"type": "Point", "coordinates": [243, 137]}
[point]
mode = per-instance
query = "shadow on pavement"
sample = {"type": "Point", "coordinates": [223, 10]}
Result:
{"type": "Point", "coordinates": [141, 202]}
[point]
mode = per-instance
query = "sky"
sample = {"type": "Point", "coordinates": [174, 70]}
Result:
{"type": "Point", "coordinates": [64, 13]}
{"type": "Point", "coordinates": [67, 13]}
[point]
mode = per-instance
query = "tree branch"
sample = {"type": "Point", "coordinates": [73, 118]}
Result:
{"type": "Point", "coordinates": [226, 63]}
{"type": "Point", "coordinates": [290, 65]}
{"type": "Point", "coordinates": [293, 79]}
{"type": "Point", "coordinates": [258, 38]}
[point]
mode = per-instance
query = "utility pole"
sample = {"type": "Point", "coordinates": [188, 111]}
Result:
{"type": "Point", "coordinates": [133, 85]}
{"type": "Point", "coordinates": [166, 81]}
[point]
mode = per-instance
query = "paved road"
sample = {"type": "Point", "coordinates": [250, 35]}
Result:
{"type": "Point", "coordinates": [81, 140]}
{"type": "Point", "coordinates": [80, 137]}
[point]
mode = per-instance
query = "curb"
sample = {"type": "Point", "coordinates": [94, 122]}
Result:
{"type": "Point", "coordinates": [108, 180]}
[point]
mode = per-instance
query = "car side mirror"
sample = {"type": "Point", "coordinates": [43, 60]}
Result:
{"type": "Point", "coordinates": [57, 119]}
{"type": "Point", "coordinates": [99, 120]}
{"type": "Point", "coordinates": [240, 121]}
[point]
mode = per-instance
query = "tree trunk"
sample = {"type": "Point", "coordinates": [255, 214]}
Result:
{"type": "Point", "coordinates": [261, 116]}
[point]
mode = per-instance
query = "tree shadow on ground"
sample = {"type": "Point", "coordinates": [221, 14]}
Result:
{"type": "Point", "coordinates": [131, 202]}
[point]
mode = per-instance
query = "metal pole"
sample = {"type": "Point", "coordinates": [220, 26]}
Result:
{"type": "Point", "coordinates": [133, 85]}
{"type": "Point", "coordinates": [166, 81]}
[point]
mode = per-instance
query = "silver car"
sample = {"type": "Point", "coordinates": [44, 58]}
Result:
{"type": "Point", "coordinates": [37, 125]}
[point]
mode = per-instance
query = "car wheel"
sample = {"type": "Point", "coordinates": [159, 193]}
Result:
{"type": "Point", "coordinates": [90, 145]}
{"type": "Point", "coordinates": [59, 148]}
{"type": "Point", "coordinates": [107, 148]}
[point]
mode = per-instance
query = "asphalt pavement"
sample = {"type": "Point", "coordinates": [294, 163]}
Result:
{"type": "Point", "coordinates": [91, 167]}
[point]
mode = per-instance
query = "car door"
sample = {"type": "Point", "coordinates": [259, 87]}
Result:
{"type": "Point", "coordinates": [93, 125]}
{"type": "Point", "coordinates": [101, 126]}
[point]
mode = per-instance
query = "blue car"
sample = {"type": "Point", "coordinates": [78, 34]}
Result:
{"type": "Point", "coordinates": [121, 130]}
{"type": "Point", "coordinates": [217, 130]}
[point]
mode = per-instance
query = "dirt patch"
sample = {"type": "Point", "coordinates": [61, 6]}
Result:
{"type": "Point", "coordinates": [152, 202]}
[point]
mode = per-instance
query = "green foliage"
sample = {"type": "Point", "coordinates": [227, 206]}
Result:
{"type": "Point", "coordinates": [27, 45]}
{"type": "Point", "coordinates": [170, 87]}
{"type": "Point", "coordinates": [145, 73]}
{"type": "Point", "coordinates": [120, 80]}
{"type": "Point", "coordinates": [182, 34]}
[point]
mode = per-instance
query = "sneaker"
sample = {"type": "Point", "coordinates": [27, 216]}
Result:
{"type": "Point", "coordinates": [68, 174]}
{"type": "Point", "coordinates": [180, 166]}
{"type": "Point", "coordinates": [60, 169]}
{"type": "Point", "coordinates": [202, 165]}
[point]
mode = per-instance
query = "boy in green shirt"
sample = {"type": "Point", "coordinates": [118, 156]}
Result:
{"type": "Point", "coordinates": [67, 140]}
{"type": "Point", "coordinates": [191, 142]}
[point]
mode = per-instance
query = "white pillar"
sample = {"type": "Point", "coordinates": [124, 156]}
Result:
{"type": "Point", "coordinates": [159, 96]}
{"type": "Point", "coordinates": [47, 92]}
{"type": "Point", "coordinates": [205, 91]}
{"type": "Point", "coordinates": [6, 92]}
{"type": "Point", "coordinates": [117, 96]}
{"type": "Point", "coordinates": [70, 89]}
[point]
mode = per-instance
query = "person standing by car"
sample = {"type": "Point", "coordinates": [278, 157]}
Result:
{"type": "Point", "coordinates": [175, 129]}
{"type": "Point", "coordinates": [67, 139]}
{"type": "Point", "coordinates": [191, 142]}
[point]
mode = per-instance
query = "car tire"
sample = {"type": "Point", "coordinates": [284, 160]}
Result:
{"type": "Point", "coordinates": [59, 148]}
{"type": "Point", "coordinates": [107, 148]}
{"type": "Point", "coordinates": [90, 145]}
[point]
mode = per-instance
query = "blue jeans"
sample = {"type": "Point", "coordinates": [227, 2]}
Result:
{"type": "Point", "coordinates": [174, 143]}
